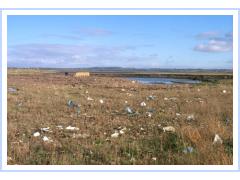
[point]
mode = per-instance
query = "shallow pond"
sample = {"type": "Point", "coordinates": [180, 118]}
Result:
{"type": "Point", "coordinates": [161, 80]}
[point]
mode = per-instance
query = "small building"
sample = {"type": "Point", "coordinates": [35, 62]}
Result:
{"type": "Point", "coordinates": [82, 74]}
{"type": "Point", "coordinates": [66, 73]}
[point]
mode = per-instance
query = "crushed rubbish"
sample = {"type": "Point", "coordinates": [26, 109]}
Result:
{"type": "Point", "coordinates": [217, 139]}
{"type": "Point", "coordinates": [72, 128]}
{"type": "Point", "coordinates": [143, 104]}
{"type": "Point", "coordinates": [165, 99]}
{"type": "Point", "coordinates": [115, 135]}
{"type": "Point", "coordinates": [36, 134]}
{"type": "Point", "coordinates": [71, 104]}
{"type": "Point", "coordinates": [126, 102]}
{"type": "Point", "coordinates": [45, 129]}
{"type": "Point", "coordinates": [188, 149]}
{"type": "Point", "coordinates": [89, 99]}
{"type": "Point", "coordinates": [84, 135]}
{"type": "Point", "coordinates": [101, 101]}
{"type": "Point", "coordinates": [59, 127]}
{"type": "Point", "coordinates": [190, 117]}
{"type": "Point", "coordinates": [178, 114]}
{"type": "Point", "coordinates": [128, 110]}
{"type": "Point", "coordinates": [149, 114]}
{"type": "Point", "coordinates": [169, 129]}
{"type": "Point", "coordinates": [46, 139]}
{"type": "Point", "coordinates": [151, 97]}
{"type": "Point", "coordinates": [154, 158]}
{"type": "Point", "coordinates": [224, 91]}
{"type": "Point", "coordinates": [122, 131]}
{"type": "Point", "coordinates": [12, 90]}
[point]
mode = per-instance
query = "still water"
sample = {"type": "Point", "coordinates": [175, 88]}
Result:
{"type": "Point", "coordinates": [161, 80]}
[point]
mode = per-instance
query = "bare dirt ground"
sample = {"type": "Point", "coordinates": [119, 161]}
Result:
{"type": "Point", "coordinates": [58, 119]}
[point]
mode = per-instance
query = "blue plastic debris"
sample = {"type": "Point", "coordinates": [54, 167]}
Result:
{"type": "Point", "coordinates": [71, 104]}
{"type": "Point", "coordinates": [12, 90]}
{"type": "Point", "coordinates": [188, 149]}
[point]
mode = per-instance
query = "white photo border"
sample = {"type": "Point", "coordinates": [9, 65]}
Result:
{"type": "Point", "coordinates": [110, 168]}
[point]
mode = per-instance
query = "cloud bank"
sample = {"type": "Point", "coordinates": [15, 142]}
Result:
{"type": "Point", "coordinates": [215, 43]}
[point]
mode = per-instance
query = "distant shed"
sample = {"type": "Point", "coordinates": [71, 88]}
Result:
{"type": "Point", "coordinates": [82, 74]}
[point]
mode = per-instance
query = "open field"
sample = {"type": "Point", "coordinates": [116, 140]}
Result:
{"type": "Point", "coordinates": [88, 121]}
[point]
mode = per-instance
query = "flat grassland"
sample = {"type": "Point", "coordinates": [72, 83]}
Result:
{"type": "Point", "coordinates": [100, 120]}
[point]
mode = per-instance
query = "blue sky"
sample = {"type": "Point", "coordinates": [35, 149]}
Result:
{"type": "Point", "coordinates": [125, 41]}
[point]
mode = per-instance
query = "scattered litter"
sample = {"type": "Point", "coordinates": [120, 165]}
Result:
{"type": "Point", "coordinates": [188, 149]}
{"type": "Point", "coordinates": [46, 139]}
{"type": "Point", "coordinates": [126, 102]}
{"type": "Point", "coordinates": [122, 131]}
{"type": "Point", "coordinates": [128, 110]}
{"type": "Point", "coordinates": [59, 127]}
{"type": "Point", "coordinates": [101, 101]}
{"type": "Point", "coordinates": [142, 129]}
{"type": "Point", "coordinates": [84, 135]}
{"type": "Point", "coordinates": [151, 97]}
{"type": "Point", "coordinates": [86, 92]}
{"type": "Point", "coordinates": [36, 134]}
{"type": "Point", "coordinates": [190, 117]}
{"type": "Point", "coordinates": [133, 160]}
{"type": "Point", "coordinates": [217, 139]}
{"type": "Point", "coordinates": [224, 91]}
{"type": "Point", "coordinates": [72, 128]}
{"type": "Point", "coordinates": [12, 90]}
{"type": "Point", "coordinates": [169, 129]}
{"type": "Point", "coordinates": [129, 94]}
{"type": "Point", "coordinates": [45, 129]}
{"type": "Point", "coordinates": [71, 104]}
{"type": "Point", "coordinates": [173, 98]}
{"type": "Point", "coordinates": [178, 114]}
{"type": "Point", "coordinates": [198, 90]}
{"type": "Point", "coordinates": [154, 158]}
{"type": "Point", "coordinates": [143, 104]}
{"type": "Point", "coordinates": [123, 90]}
{"type": "Point", "coordinates": [90, 99]}
{"type": "Point", "coordinates": [115, 135]}
{"type": "Point", "coordinates": [165, 99]}
{"type": "Point", "coordinates": [9, 158]}
{"type": "Point", "coordinates": [133, 82]}
{"type": "Point", "coordinates": [149, 114]}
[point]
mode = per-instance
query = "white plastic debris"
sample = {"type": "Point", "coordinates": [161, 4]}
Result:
{"type": "Point", "coordinates": [178, 114]}
{"type": "Point", "coordinates": [101, 101]}
{"type": "Point", "coordinates": [36, 134]}
{"type": "Point", "coordinates": [46, 139]}
{"type": "Point", "coordinates": [143, 104]}
{"type": "Point", "coordinates": [128, 110]}
{"type": "Point", "coordinates": [122, 131]}
{"type": "Point", "coordinates": [198, 90]}
{"type": "Point", "coordinates": [165, 99]}
{"type": "Point", "coordinates": [169, 129]}
{"type": "Point", "coordinates": [84, 135]}
{"type": "Point", "coordinates": [149, 114]}
{"type": "Point", "coordinates": [133, 82]}
{"type": "Point", "coordinates": [126, 102]}
{"type": "Point", "coordinates": [190, 117]}
{"type": "Point", "coordinates": [45, 129]}
{"type": "Point", "coordinates": [115, 135]}
{"type": "Point", "coordinates": [86, 92]}
{"type": "Point", "coordinates": [59, 127]}
{"type": "Point", "coordinates": [154, 158]}
{"type": "Point", "coordinates": [217, 139]}
{"type": "Point", "coordinates": [12, 90]}
{"type": "Point", "coordinates": [224, 91]}
{"type": "Point", "coordinates": [72, 128]}
{"type": "Point", "coordinates": [123, 90]}
{"type": "Point", "coordinates": [90, 99]}
{"type": "Point", "coordinates": [142, 129]}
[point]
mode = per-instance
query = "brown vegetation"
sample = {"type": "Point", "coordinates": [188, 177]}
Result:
{"type": "Point", "coordinates": [97, 107]}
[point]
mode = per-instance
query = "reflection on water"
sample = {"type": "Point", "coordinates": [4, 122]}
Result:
{"type": "Point", "coordinates": [161, 80]}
